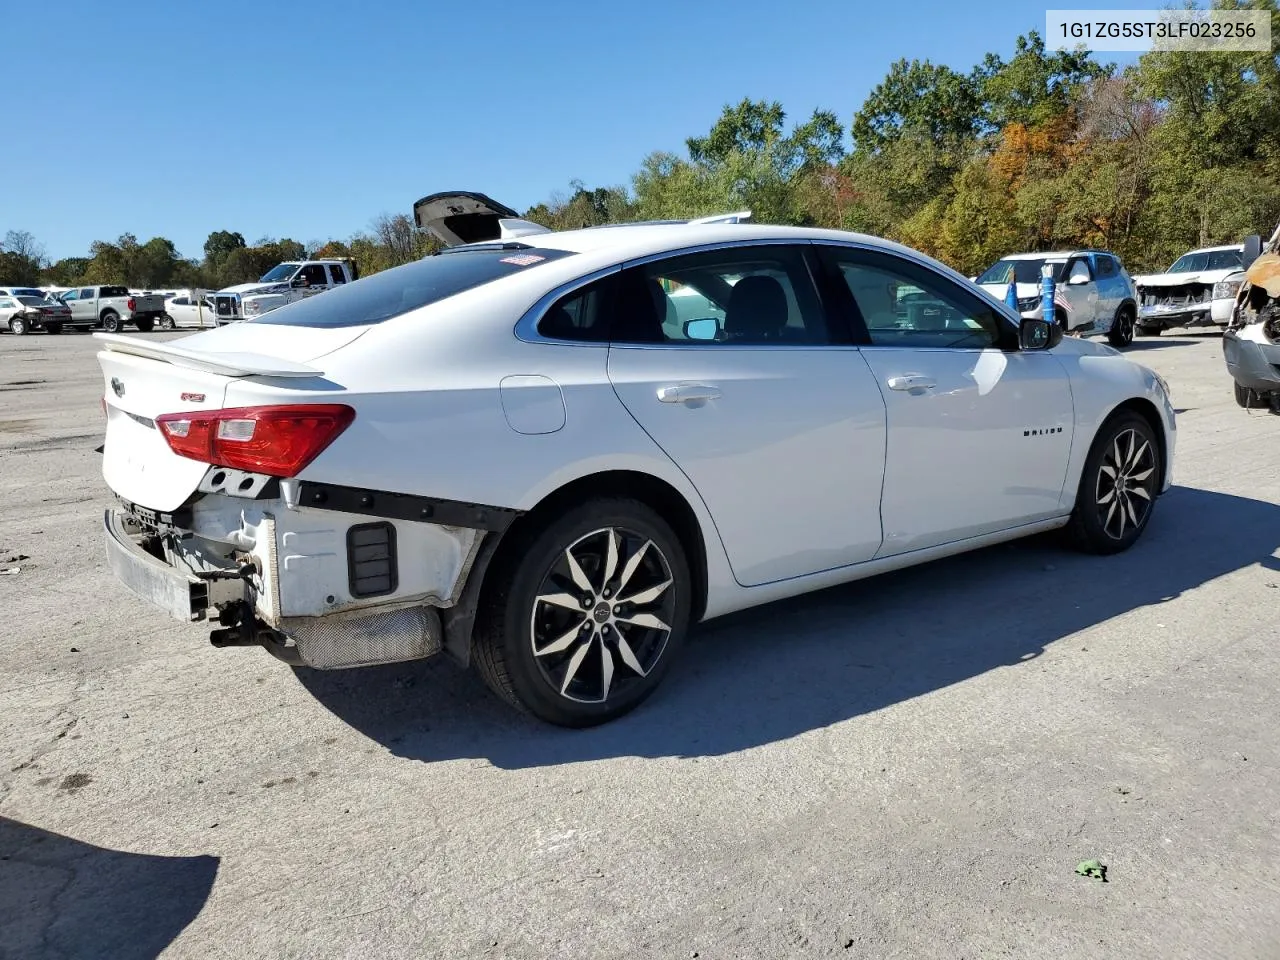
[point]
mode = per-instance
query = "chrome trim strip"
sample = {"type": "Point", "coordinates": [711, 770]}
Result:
{"type": "Point", "coordinates": [526, 328]}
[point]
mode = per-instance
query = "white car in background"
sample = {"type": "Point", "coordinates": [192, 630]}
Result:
{"type": "Point", "coordinates": [23, 310]}
{"type": "Point", "coordinates": [188, 311]}
{"type": "Point", "coordinates": [1197, 290]}
{"type": "Point", "coordinates": [509, 451]}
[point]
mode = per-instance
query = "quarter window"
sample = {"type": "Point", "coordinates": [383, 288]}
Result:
{"type": "Point", "coordinates": [582, 315]}
{"type": "Point", "coordinates": [743, 296]}
{"type": "Point", "coordinates": [903, 304]}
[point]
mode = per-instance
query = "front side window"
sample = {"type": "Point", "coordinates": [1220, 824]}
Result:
{"type": "Point", "coordinates": [744, 296]}
{"type": "Point", "coordinates": [71, 295]}
{"type": "Point", "coordinates": [313, 275]}
{"type": "Point", "coordinates": [903, 304]}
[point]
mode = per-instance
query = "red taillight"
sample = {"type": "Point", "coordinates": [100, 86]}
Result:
{"type": "Point", "coordinates": [278, 441]}
{"type": "Point", "coordinates": [132, 303]}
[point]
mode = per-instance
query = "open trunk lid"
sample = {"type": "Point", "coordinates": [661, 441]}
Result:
{"type": "Point", "coordinates": [143, 379]}
{"type": "Point", "coordinates": [458, 216]}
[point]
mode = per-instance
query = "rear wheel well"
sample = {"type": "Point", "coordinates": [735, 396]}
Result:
{"type": "Point", "coordinates": [649, 490]}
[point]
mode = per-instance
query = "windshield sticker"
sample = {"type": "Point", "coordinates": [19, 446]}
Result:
{"type": "Point", "coordinates": [523, 259]}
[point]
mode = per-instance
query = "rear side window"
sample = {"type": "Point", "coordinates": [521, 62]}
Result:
{"type": "Point", "coordinates": [1106, 266]}
{"type": "Point", "coordinates": [396, 291]}
{"type": "Point", "coordinates": [335, 271]}
{"type": "Point", "coordinates": [582, 315]}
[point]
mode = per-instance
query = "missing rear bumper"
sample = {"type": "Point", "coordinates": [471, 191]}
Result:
{"type": "Point", "coordinates": [183, 596]}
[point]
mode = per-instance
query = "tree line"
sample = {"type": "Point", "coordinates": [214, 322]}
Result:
{"type": "Point", "coordinates": [1047, 149]}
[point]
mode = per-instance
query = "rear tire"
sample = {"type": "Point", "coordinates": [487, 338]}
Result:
{"type": "Point", "coordinates": [17, 326]}
{"type": "Point", "coordinates": [1118, 487]}
{"type": "Point", "coordinates": [110, 321]}
{"type": "Point", "coordinates": [145, 324]}
{"type": "Point", "coordinates": [1150, 331]}
{"type": "Point", "coordinates": [1249, 399]}
{"type": "Point", "coordinates": [1121, 333]}
{"type": "Point", "coordinates": [53, 329]}
{"type": "Point", "coordinates": [572, 636]}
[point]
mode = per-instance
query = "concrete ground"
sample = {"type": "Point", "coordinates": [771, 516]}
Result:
{"type": "Point", "coordinates": [907, 767]}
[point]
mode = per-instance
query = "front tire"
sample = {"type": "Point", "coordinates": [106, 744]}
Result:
{"type": "Point", "coordinates": [166, 322]}
{"type": "Point", "coordinates": [586, 613]}
{"type": "Point", "coordinates": [1121, 333]}
{"type": "Point", "coordinates": [110, 321]}
{"type": "Point", "coordinates": [17, 326]}
{"type": "Point", "coordinates": [1118, 487]}
{"type": "Point", "coordinates": [1249, 399]}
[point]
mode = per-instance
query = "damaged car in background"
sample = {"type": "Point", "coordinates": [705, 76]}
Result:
{"type": "Point", "coordinates": [517, 452]}
{"type": "Point", "coordinates": [1196, 291]}
{"type": "Point", "coordinates": [1251, 342]}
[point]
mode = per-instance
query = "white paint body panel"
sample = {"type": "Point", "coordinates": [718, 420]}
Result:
{"type": "Point", "coordinates": [789, 458]}
{"type": "Point", "coordinates": [960, 461]}
{"type": "Point", "coordinates": [786, 469]}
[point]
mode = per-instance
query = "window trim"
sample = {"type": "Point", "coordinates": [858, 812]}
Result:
{"type": "Point", "coordinates": [1006, 342]}
{"type": "Point", "coordinates": [801, 248]}
{"type": "Point", "coordinates": [839, 335]}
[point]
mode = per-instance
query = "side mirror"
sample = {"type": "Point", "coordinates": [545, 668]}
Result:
{"type": "Point", "coordinates": [1039, 335]}
{"type": "Point", "coordinates": [298, 281]}
{"type": "Point", "coordinates": [1252, 250]}
{"type": "Point", "coordinates": [704, 328]}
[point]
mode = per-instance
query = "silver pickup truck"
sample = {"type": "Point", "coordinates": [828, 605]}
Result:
{"type": "Point", "coordinates": [112, 308]}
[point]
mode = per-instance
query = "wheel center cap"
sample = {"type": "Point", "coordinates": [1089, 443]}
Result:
{"type": "Point", "coordinates": [602, 613]}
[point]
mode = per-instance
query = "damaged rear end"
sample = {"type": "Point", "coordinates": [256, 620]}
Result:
{"type": "Point", "coordinates": [220, 516]}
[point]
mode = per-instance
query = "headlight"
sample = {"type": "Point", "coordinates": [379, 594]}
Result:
{"type": "Point", "coordinates": [1164, 384]}
{"type": "Point", "coordinates": [1028, 303]}
{"type": "Point", "coordinates": [252, 307]}
{"type": "Point", "coordinates": [1226, 289]}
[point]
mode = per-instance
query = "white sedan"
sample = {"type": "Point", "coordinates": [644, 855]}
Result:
{"type": "Point", "coordinates": [187, 311]}
{"type": "Point", "coordinates": [513, 452]}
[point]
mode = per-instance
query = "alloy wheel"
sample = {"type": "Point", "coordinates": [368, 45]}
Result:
{"type": "Point", "coordinates": [1126, 484]}
{"type": "Point", "coordinates": [602, 615]}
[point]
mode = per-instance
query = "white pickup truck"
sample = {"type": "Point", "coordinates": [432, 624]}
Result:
{"type": "Point", "coordinates": [283, 283]}
{"type": "Point", "coordinates": [112, 308]}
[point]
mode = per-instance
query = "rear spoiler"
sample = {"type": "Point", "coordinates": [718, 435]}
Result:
{"type": "Point", "coordinates": [225, 364]}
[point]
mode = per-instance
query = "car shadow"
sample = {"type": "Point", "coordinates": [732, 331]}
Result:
{"type": "Point", "coordinates": [61, 897]}
{"type": "Point", "coordinates": [797, 665]}
{"type": "Point", "coordinates": [1155, 343]}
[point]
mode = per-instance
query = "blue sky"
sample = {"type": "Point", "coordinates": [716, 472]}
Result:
{"type": "Point", "coordinates": [307, 120]}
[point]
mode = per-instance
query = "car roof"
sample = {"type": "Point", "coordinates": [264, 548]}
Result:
{"type": "Point", "coordinates": [628, 241]}
{"type": "Point", "coordinates": [1229, 246]}
{"type": "Point", "coordinates": [1055, 254]}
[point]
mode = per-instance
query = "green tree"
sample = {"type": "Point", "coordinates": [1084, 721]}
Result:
{"type": "Point", "coordinates": [920, 99]}
{"type": "Point", "coordinates": [1035, 86]}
